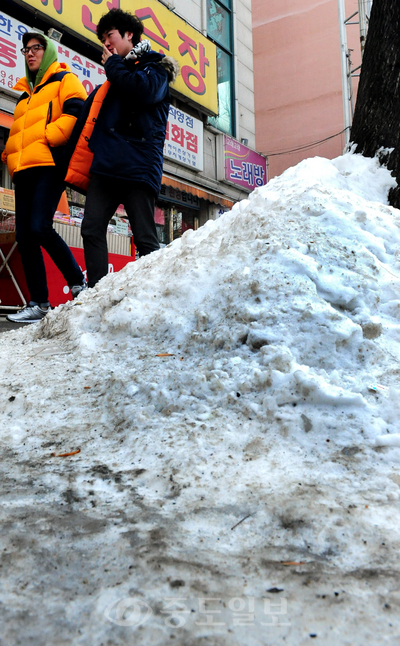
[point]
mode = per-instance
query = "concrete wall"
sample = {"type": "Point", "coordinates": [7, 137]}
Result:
{"type": "Point", "coordinates": [245, 117]}
{"type": "Point", "coordinates": [190, 10]}
{"type": "Point", "coordinates": [298, 82]}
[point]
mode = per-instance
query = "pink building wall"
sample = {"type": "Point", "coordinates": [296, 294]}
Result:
{"type": "Point", "coordinates": [298, 79]}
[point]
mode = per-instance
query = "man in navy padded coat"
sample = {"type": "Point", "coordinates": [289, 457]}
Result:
{"type": "Point", "coordinates": [127, 140]}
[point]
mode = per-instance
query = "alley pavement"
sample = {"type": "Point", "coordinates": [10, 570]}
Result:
{"type": "Point", "coordinates": [5, 325]}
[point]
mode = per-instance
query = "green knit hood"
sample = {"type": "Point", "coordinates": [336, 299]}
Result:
{"type": "Point", "coordinates": [49, 57]}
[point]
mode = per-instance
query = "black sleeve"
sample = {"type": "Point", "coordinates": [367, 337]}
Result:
{"type": "Point", "coordinates": [144, 86]}
{"type": "Point", "coordinates": [73, 106]}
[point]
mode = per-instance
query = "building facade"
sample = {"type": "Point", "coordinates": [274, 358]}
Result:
{"type": "Point", "coordinates": [209, 158]}
{"type": "Point", "coordinates": [298, 78]}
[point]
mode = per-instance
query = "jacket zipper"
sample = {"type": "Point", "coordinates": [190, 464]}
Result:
{"type": "Point", "coordinates": [49, 113]}
{"type": "Point", "coordinates": [23, 130]}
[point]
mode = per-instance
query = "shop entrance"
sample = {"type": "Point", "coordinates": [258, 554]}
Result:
{"type": "Point", "coordinates": [173, 221]}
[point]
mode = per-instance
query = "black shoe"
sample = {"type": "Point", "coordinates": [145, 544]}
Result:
{"type": "Point", "coordinates": [77, 289]}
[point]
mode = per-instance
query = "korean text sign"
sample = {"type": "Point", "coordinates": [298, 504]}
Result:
{"type": "Point", "coordinates": [243, 166]}
{"type": "Point", "coordinates": [167, 32]}
{"type": "Point", "coordinates": [172, 194]}
{"type": "Point", "coordinates": [12, 63]}
{"type": "Point", "coordinates": [184, 139]}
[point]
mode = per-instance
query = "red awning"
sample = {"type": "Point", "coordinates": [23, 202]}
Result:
{"type": "Point", "coordinates": [194, 190]}
{"type": "Point", "coordinates": [6, 120]}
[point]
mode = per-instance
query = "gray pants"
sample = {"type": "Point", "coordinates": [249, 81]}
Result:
{"type": "Point", "coordinates": [104, 196]}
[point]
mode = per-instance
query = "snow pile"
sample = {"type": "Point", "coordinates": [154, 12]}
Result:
{"type": "Point", "coordinates": [239, 373]}
{"type": "Point", "coordinates": [289, 301]}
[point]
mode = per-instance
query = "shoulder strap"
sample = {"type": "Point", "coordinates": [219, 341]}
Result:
{"type": "Point", "coordinates": [58, 76]}
{"type": "Point", "coordinates": [23, 96]}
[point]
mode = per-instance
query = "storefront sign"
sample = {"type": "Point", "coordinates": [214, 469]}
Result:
{"type": "Point", "coordinates": [184, 139]}
{"type": "Point", "coordinates": [122, 226]}
{"type": "Point", "coordinates": [172, 194]}
{"type": "Point", "coordinates": [12, 63]}
{"type": "Point", "coordinates": [7, 199]}
{"type": "Point", "coordinates": [240, 165]}
{"type": "Point", "coordinates": [168, 34]}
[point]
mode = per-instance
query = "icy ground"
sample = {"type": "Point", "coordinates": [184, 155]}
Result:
{"type": "Point", "coordinates": [238, 478]}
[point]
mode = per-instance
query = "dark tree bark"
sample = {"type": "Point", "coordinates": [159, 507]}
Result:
{"type": "Point", "coordinates": [376, 122]}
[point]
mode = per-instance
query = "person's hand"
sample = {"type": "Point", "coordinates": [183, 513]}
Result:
{"type": "Point", "coordinates": [106, 54]}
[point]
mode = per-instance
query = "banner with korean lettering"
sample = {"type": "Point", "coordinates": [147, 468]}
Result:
{"type": "Point", "coordinates": [12, 63]}
{"type": "Point", "coordinates": [171, 194]}
{"type": "Point", "coordinates": [167, 32]}
{"type": "Point", "coordinates": [184, 139]}
{"type": "Point", "coordinates": [243, 166]}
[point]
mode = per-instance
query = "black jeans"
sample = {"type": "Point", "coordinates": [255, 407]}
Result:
{"type": "Point", "coordinates": [104, 196]}
{"type": "Point", "coordinates": [37, 193]}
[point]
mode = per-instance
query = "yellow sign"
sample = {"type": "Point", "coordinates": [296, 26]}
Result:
{"type": "Point", "coordinates": [168, 34]}
{"type": "Point", "coordinates": [7, 199]}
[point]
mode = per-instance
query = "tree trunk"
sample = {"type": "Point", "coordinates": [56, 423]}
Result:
{"type": "Point", "coordinates": [376, 122]}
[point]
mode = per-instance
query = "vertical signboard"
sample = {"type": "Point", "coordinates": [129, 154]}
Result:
{"type": "Point", "coordinates": [184, 139]}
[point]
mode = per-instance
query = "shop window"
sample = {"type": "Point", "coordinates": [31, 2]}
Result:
{"type": "Point", "coordinates": [187, 221]}
{"type": "Point", "coordinates": [161, 222]}
{"type": "Point", "coordinates": [177, 223]}
{"type": "Point", "coordinates": [74, 197]}
{"type": "Point", "coordinates": [218, 24]}
{"type": "Point", "coordinates": [219, 29]}
{"type": "Point", "coordinates": [224, 121]}
{"type": "Point", "coordinates": [226, 3]}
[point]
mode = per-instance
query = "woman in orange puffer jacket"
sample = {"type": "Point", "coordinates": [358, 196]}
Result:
{"type": "Point", "coordinates": [44, 117]}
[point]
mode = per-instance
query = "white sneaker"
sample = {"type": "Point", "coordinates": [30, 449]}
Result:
{"type": "Point", "coordinates": [29, 314]}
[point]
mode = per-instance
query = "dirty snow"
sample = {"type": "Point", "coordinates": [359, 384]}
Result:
{"type": "Point", "coordinates": [230, 396]}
